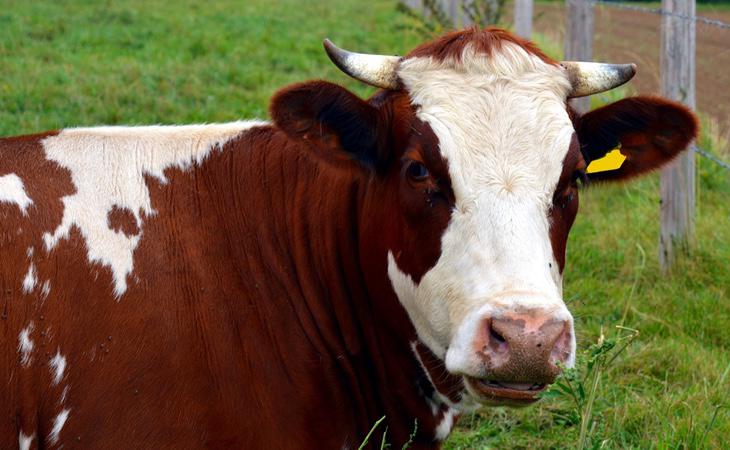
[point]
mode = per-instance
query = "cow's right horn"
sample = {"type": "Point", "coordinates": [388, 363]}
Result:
{"type": "Point", "coordinates": [375, 70]}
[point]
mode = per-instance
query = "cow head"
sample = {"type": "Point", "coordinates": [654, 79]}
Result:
{"type": "Point", "coordinates": [473, 160]}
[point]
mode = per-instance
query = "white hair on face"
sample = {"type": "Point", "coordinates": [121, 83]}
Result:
{"type": "Point", "coordinates": [504, 131]}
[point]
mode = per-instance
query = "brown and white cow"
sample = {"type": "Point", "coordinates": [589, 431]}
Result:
{"type": "Point", "coordinates": [286, 284]}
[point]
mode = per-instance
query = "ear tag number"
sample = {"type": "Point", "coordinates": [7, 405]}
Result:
{"type": "Point", "coordinates": [612, 160]}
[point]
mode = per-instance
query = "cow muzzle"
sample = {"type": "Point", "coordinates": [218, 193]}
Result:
{"type": "Point", "coordinates": [514, 356]}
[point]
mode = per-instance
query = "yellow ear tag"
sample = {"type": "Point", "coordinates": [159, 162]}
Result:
{"type": "Point", "coordinates": [612, 160]}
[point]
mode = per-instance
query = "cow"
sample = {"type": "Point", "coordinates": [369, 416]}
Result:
{"type": "Point", "coordinates": [287, 283]}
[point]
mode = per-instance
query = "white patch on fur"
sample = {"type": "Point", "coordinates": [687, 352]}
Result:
{"type": "Point", "coordinates": [30, 280]}
{"type": "Point", "coordinates": [444, 427]}
{"type": "Point", "coordinates": [25, 345]}
{"type": "Point", "coordinates": [440, 398]}
{"type": "Point", "coordinates": [25, 441]}
{"type": "Point", "coordinates": [464, 405]}
{"type": "Point", "coordinates": [58, 367]}
{"type": "Point", "coordinates": [12, 190]}
{"type": "Point", "coordinates": [108, 166]}
{"type": "Point", "coordinates": [62, 400]}
{"type": "Point", "coordinates": [46, 288]}
{"type": "Point", "coordinates": [504, 131]}
{"type": "Point", "coordinates": [58, 424]}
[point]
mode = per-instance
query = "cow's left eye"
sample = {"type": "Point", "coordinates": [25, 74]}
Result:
{"type": "Point", "coordinates": [417, 171]}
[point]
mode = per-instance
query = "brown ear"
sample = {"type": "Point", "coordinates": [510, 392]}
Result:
{"type": "Point", "coordinates": [328, 117]}
{"type": "Point", "coordinates": [650, 130]}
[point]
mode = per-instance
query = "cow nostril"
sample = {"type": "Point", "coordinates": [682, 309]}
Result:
{"type": "Point", "coordinates": [496, 336]}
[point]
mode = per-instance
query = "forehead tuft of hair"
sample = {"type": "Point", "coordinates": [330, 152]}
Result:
{"type": "Point", "coordinates": [485, 41]}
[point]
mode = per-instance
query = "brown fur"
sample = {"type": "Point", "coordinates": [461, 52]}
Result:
{"type": "Point", "coordinates": [651, 130]}
{"type": "Point", "coordinates": [485, 41]}
{"type": "Point", "coordinates": [122, 220]}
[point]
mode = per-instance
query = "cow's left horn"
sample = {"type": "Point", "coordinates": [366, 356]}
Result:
{"type": "Point", "coordinates": [375, 70]}
{"type": "Point", "coordinates": [591, 78]}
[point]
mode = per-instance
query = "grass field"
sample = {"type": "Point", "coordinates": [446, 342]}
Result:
{"type": "Point", "coordinates": [73, 62]}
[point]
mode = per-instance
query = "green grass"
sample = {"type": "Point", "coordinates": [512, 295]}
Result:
{"type": "Point", "coordinates": [75, 62]}
{"type": "Point", "coordinates": [70, 63]}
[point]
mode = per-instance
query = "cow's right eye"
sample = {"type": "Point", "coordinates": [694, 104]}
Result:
{"type": "Point", "coordinates": [417, 171]}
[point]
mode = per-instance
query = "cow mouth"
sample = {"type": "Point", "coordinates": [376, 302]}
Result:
{"type": "Point", "coordinates": [505, 392]}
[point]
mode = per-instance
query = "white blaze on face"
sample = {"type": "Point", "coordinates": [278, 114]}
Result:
{"type": "Point", "coordinates": [504, 131]}
{"type": "Point", "coordinates": [12, 190]}
{"type": "Point", "coordinates": [108, 166]}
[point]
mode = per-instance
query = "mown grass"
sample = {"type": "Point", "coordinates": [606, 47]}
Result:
{"type": "Point", "coordinates": [72, 62]}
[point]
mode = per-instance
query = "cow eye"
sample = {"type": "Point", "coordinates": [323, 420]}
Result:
{"type": "Point", "coordinates": [417, 171]}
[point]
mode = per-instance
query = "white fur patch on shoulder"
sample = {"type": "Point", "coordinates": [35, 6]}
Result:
{"type": "Point", "coordinates": [30, 280]}
{"type": "Point", "coordinates": [58, 424]}
{"type": "Point", "coordinates": [46, 288]}
{"type": "Point", "coordinates": [25, 345]}
{"type": "Point", "coordinates": [12, 190]}
{"type": "Point", "coordinates": [58, 367]}
{"type": "Point", "coordinates": [108, 166]}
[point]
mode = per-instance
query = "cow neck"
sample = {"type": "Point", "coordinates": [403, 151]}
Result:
{"type": "Point", "coordinates": [307, 215]}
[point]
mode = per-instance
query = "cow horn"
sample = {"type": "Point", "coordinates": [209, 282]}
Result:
{"type": "Point", "coordinates": [375, 70]}
{"type": "Point", "coordinates": [591, 78]}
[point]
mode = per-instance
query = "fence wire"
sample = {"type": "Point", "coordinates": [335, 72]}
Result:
{"type": "Point", "coordinates": [711, 157]}
{"type": "Point", "coordinates": [661, 12]}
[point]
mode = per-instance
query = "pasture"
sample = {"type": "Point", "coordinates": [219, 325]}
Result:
{"type": "Point", "coordinates": [73, 63]}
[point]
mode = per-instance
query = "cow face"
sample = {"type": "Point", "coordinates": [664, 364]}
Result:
{"type": "Point", "coordinates": [476, 159]}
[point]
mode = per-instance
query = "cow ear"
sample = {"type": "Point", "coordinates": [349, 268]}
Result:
{"type": "Point", "coordinates": [330, 118]}
{"type": "Point", "coordinates": [649, 131]}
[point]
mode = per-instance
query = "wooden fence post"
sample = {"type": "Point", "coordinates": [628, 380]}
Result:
{"type": "Point", "coordinates": [523, 18]}
{"type": "Point", "coordinates": [678, 83]}
{"type": "Point", "coordinates": [413, 4]}
{"type": "Point", "coordinates": [579, 40]}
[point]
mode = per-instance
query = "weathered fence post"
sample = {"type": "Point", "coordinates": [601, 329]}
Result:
{"type": "Point", "coordinates": [454, 12]}
{"type": "Point", "coordinates": [523, 18]}
{"type": "Point", "coordinates": [579, 40]}
{"type": "Point", "coordinates": [413, 4]}
{"type": "Point", "coordinates": [678, 83]}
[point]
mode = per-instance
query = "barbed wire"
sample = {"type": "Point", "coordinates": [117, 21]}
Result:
{"type": "Point", "coordinates": [661, 12]}
{"type": "Point", "coordinates": [711, 157]}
